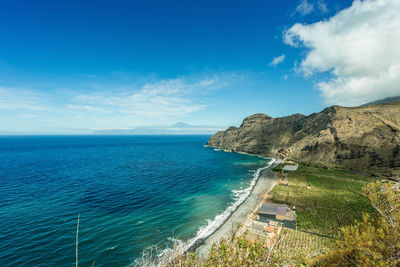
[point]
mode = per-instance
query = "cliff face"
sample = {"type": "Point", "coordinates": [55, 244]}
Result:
{"type": "Point", "coordinates": [362, 138]}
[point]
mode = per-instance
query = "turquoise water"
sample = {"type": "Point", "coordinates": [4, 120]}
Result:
{"type": "Point", "coordinates": [131, 192]}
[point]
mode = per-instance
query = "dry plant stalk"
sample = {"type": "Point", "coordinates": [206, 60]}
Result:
{"type": "Point", "coordinates": [76, 243]}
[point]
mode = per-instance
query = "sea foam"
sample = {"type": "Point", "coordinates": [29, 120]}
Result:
{"type": "Point", "coordinates": [213, 225]}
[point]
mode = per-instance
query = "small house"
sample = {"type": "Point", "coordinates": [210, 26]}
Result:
{"type": "Point", "coordinates": [277, 213]}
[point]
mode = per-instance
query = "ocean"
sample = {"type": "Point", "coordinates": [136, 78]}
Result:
{"type": "Point", "coordinates": [132, 193]}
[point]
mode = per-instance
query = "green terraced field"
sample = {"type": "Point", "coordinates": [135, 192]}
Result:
{"type": "Point", "coordinates": [325, 199]}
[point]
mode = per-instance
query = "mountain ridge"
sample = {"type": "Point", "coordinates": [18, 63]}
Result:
{"type": "Point", "coordinates": [383, 101]}
{"type": "Point", "coordinates": [365, 138]}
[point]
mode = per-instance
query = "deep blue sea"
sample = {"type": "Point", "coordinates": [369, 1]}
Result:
{"type": "Point", "coordinates": [131, 192]}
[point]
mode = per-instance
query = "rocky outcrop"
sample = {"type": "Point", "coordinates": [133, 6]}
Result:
{"type": "Point", "coordinates": [360, 138]}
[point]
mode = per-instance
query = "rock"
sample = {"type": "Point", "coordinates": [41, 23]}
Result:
{"type": "Point", "coordinates": [363, 138]}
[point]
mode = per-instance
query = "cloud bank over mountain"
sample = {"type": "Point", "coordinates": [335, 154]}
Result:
{"type": "Point", "coordinates": [358, 47]}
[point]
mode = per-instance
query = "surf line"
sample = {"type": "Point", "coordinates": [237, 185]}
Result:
{"type": "Point", "coordinates": [219, 220]}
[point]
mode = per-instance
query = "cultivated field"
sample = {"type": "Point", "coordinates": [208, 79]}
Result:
{"type": "Point", "coordinates": [293, 247]}
{"type": "Point", "coordinates": [325, 199]}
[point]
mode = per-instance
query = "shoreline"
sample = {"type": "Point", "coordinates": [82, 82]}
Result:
{"type": "Point", "coordinates": [239, 216]}
{"type": "Point", "coordinates": [239, 152]}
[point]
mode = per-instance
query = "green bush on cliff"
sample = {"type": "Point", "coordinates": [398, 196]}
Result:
{"type": "Point", "coordinates": [371, 242]}
{"type": "Point", "coordinates": [234, 251]}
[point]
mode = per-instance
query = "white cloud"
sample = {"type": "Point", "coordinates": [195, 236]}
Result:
{"type": "Point", "coordinates": [22, 99]}
{"type": "Point", "coordinates": [359, 46]}
{"type": "Point", "coordinates": [322, 6]}
{"type": "Point", "coordinates": [155, 100]}
{"type": "Point", "coordinates": [304, 8]}
{"type": "Point", "coordinates": [277, 60]}
{"type": "Point", "coordinates": [112, 104]}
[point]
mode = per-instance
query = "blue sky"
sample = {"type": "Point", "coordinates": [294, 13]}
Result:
{"type": "Point", "coordinates": [79, 66]}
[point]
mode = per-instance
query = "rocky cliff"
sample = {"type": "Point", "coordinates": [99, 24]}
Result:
{"type": "Point", "coordinates": [360, 138]}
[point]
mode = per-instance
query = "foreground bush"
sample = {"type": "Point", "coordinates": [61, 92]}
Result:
{"type": "Point", "coordinates": [371, 242]}
{"type": "Point", "coordinates": [234, 251]}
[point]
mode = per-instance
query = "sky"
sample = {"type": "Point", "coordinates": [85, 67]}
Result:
{"type": "Point", "coordinates": [70, 67]}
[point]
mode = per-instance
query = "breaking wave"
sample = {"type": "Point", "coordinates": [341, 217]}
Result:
{"type": "Point", "coordinates": [213, 225]}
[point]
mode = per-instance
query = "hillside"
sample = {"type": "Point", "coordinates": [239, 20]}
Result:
{"type": "Point", "coordinates": [365, 138]}
{"type": "Point", "coordinates": [383, 101]}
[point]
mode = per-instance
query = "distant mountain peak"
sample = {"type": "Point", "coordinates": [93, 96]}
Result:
{"type": "Point", "coordinates": [177, 128]}
{"type": "Point", "coordinates": [181, 125]}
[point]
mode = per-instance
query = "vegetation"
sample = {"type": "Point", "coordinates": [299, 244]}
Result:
{"type": "Point", "coordinates": [371, 242]}
{"type": "Point", "coordinates": [234, 251]}
{"type": "Point", "coordinates": [293, 248]}
{"type": "Point", "coordinates": [325, 199]}
{"type": "Point", "coordinates": [278, 168]}
{"type": "Point", "coordinates": [238, 251]}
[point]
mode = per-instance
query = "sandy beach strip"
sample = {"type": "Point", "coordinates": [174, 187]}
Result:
{"type": "Point", "coordinates": [263, 185]}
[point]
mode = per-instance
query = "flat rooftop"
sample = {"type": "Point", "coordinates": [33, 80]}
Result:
{"type": "Point", "coordinates": [273, 209]}
{"type": "Point", "coordinates": [290, 168]}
